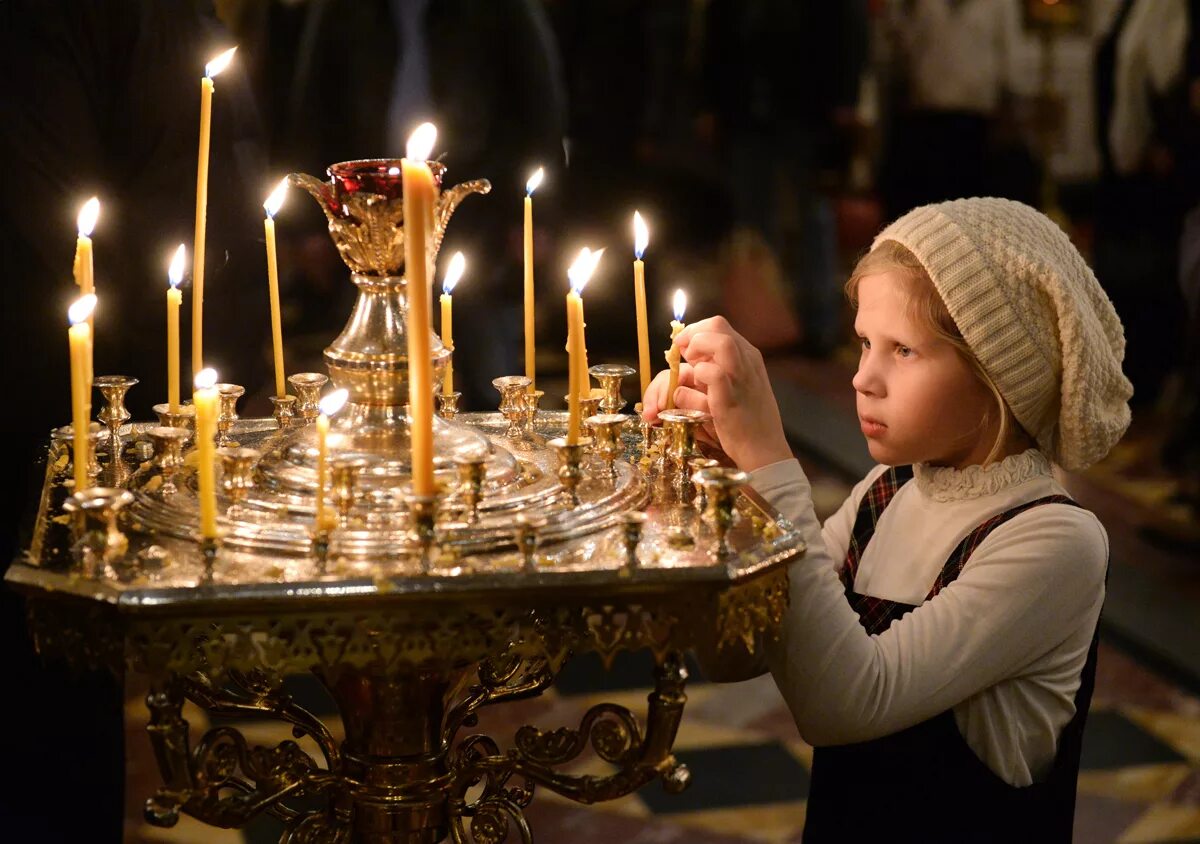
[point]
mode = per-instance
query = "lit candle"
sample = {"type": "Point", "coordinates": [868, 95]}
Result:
{"type": "Point", "coordinates": [680, 304]}
{"type": "Point", "coordinates": [206, 92]}
{"type": "Point", "coordinates": [205, 399]}
{"type": "Point", "coordinates": [453, 273]}
{"type": "Point", "coordinates": [420, 195]}
{"type": "Point", "coordinates": [271, 206]}
{"type": "Point", "coordinates": [79, 336]}
{"type": "Point", "coordinates": [329, 405]}
{"type": "Point", "coordinates": [530, 349]}
{"type": "Point", "coordinates": [85, 270]}
{"type": "Point", "coordinates": [174, 300]}
{"type": "Point", "coordinates": [641, 239]}
{"type": "Point", "coordinates": [579, 274]}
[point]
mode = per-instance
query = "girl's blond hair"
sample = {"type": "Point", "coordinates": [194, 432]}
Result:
{"type": "Point", "coordinates": [925, 306]}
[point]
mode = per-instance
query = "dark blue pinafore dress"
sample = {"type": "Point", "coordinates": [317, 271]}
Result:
{"type": "Point", "coordinates": [925, 783]}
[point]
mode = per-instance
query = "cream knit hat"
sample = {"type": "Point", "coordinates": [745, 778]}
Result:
{"type": "Point", "coordinates": [1034, 315]}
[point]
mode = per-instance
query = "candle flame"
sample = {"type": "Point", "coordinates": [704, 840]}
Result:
{"type": "Point", "coordinates": [88, 214]}
{"type": "Point", "coordinates": [81, 309]}
{"type": "Point", "coordinates": [453, 273]}
{"type": "Point", "coordinates": [534, 181]}
{"type": "Point", "coordinates": [581, 271]}
{"type": "Point", "coordinates": [420, 142]}
{"type": "Point", "coordinates": [334, 402]}
{"type": "Point", "coordinates": [175, 273]}
{"type": "Point", "coordinates": [205, 378]}
{"type": "Point", "coordinates": [680, 305]}
{"type": "Point", "coordinates": [641, 235]}
{"type": "Point", "coordinates": [275, 200]}
{"type": "Point", "coordinates": [219, 63]}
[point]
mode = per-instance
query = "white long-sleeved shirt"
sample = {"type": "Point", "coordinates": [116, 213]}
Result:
{"type": "Point", "coordinates": [1003, 645]}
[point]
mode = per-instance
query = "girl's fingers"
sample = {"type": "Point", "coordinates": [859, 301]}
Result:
{"type": "Point", "coordinates": [714, 381]}
{"type": "Point", "coordinates": [688, 399]}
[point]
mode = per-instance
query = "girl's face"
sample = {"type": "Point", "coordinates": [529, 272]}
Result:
{"type": "Point", "coordinates": [918, 400]}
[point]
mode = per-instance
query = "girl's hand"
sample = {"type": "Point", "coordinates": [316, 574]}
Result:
{"type": "Point", "coordinates": [725, 376]}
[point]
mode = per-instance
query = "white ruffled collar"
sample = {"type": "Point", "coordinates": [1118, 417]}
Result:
{"type": "Point", "coordinates": [945, 483]}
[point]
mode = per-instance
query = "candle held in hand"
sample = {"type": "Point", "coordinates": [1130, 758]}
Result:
{"type": "Point", "coordinates": [680, 304]}
{"type": "Point", "coordinates": [641, 239]}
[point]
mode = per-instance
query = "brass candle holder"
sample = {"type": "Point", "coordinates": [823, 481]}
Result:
{"type": "Point", "coordinates": [513, 390]}
{"type": "Point", "coordinates": [114, 414]}
{"type": "Point", "coordinates": [570, 466]}
{"type": "Point", "coordinates": [284, 410]}
{"type": "Point", "coordinates": [533, 399]}
{"type": "Point", "coordinates": [528, 536]}
{"type": "Point", "coordinates": [422, 515]}
{"type": "Point", "coordinates": [65, 436]}
{"type": "Point", "coordinates": [589, 406]}
{"type": "Point", "coordinates": [643, 432]}
{"type": "Point", "coordinates": [102, 505]}
{"type": "Point", "coordinates": [633, 525]}
{"type": "Point", "coordinates": [471, 469]}
{"type": "Point", "coordinates": [184, 417]}
{"type": "Point", "coordinates": [606, 429]}
{"type": "Point", "coordinates": [344, 475]}
{"type": "Point", "coordinates": [720, 488]}
{"type": "Point", "coordinates": [610, 376]}
{"type": "Point", "coordinates": [695, 464]}
{"type": "Point", "coordinates": [308, 386]}
{"type": "Point", "coordinates": [319, 541]}
{"type": "Point", "coordinates": [228, 395]}
{"type": "Point", "coordinates": [679, 428]}
{"type": "Point", "coordinates": [168, 454]}
{"type": "Point", "coordinates": [448, 404]}
{"type": "Point", "coordinates": [237, 475]}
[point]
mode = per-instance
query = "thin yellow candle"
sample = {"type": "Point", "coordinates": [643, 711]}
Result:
{"type": "Point", "coordinates": [79, 336]}
{"type": "Point", "coordinates": [680, 304]}
{"type": "Point", "coordinates": [85, 270]}
{"type": "Point", "coordinates": [329, 405]}
{"type": "Point", "coordinates": [174, 300]}
{"type": "Point", "coordinates": [530, 346]}
{"type": "Point", "coordinates": [206, 92]}
{"type": "Point", "coordinates": [420, 196]}
{"type": "Point", "coordinates": [453, 273]}
{"type": "Point", "coordinates": [641, 239]}
{"type": "Point", "coordinates": [579, 274]}
{"type": "Point", "coordinates": [205, 399]}
{"type": "Point", "coordinates": [272, 206]}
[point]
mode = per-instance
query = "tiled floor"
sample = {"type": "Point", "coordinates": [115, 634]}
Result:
{"type": "Point", "coordinates": [1140, 781]}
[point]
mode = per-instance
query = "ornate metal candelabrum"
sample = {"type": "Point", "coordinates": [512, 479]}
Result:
{"type": "Point", "coordinates": [415, 612]}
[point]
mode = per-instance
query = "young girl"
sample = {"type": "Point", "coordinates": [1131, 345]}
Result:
{"type": "Point", "coordinates": [940, 645]}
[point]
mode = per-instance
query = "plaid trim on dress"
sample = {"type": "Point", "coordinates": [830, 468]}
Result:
{"type": "Point", "coordinates": [877, 614]}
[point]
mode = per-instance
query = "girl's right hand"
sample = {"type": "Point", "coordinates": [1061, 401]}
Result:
{"type": "Point", "coordinates": [724, 375]}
